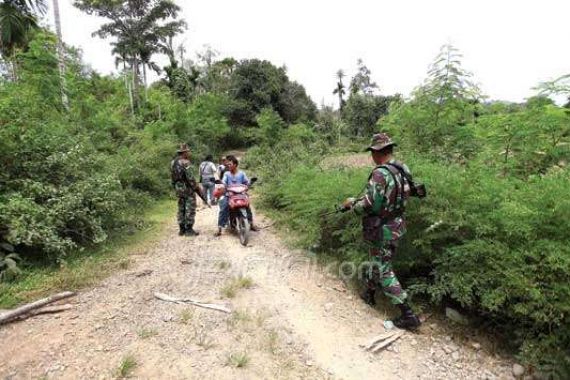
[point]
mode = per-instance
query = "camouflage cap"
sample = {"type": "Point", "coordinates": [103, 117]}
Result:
{"type": "Point", "coordinates": [380, 141]}
{"type": "Point", "coordinates": [183, 148]}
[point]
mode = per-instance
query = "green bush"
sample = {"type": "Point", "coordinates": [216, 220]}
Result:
{"type": "Point", "coordinates": [206, 121]}
{"type": "Point", "coordinates": [70, 178]}
{"type": "Point", "coordinates": [497, 245]}
{"type": "Point", "coordinates": [270, 126]}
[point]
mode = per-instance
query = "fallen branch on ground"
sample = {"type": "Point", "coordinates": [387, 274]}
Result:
{"type": "Point", "coordinates": [51, 309]}
{"type": "Point", "coordinates": [383, 341]}
{"type": "Point", "coordinates": [378, 338]}
{"type": "Point", "coordinates": [167, 298]}
{"type": "Point", "coordinates": [10, 315]}
{"type": "Point", "coordinates": [43, 310]}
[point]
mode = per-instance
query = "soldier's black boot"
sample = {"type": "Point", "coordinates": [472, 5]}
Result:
{"type": "Point", "coordinates": [408, 320]}
{"type": "Point", "coordinates": [191, 232]}
{"type": "Point", "coordinates": [182, 230]}
{"type": "Point", "coordinates": [368, 296]}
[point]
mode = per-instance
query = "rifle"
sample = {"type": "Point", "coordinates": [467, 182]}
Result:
{"type": "Point", "coordinates": [337, 209]}
{"type": "Point", "coordinates": [199, 193]}
{"type": "Point", "coordinates": [196, 188]}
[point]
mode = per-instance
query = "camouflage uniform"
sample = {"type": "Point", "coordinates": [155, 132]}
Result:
{"type": "Point", "coordinates": [185, 187]}
{"type": "Point", "coordinates": [386, 195]}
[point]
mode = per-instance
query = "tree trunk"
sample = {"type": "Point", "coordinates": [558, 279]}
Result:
{"type": "Point", "coordinates": [144, 83]}
{"type": "Point", "coordinates": [130, 91]}
{"type": "Point", "coordinates": [125, 75]}
{"type": "Point", "coordinates": [60, 56]}
{"type": "Point", "coordinates": [14, 73]}
{"type": "Point", "coordinates": [128, 87]}
{"type": "Point", "coordinates": [135, 66]}
{"type": "Point", "coordinates": [13, 66]}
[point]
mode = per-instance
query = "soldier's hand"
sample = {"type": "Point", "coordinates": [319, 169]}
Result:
{"type": "Point", "coordinates": [348, 203]}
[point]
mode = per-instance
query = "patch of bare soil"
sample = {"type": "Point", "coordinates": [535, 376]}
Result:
{"type": "Point", "coordinates": [348, 160]}
{"type": "Point", "coordinates": [290, 319]}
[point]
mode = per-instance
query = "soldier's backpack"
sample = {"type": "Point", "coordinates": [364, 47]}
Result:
{"type": "Point", "coordinates": [416, 189]}
{"type": "Point", "coordinates": [177, 172]}
{"type": "Point", "coordinates": [403, 181]}
{"type": "Point", "coordinates": [400, 182]}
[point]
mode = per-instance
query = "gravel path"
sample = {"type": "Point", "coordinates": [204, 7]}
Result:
{"type": "Point", "coordinates": [289, 320]}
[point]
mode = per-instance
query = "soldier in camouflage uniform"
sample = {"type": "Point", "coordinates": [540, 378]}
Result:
{"type": "Point", "coordinates": [186, 187]}
{"type": "Point", "coordinates": [383, 206]}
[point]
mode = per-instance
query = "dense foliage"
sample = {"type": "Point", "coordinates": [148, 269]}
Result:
{"type": "Point", "coordinates": [68, 178]}
{"type": "Point", "coordinates": [492, 236]}
{"type": "Point", "coordinates": [72, 175]}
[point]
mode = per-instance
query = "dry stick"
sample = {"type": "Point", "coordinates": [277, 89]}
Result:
{"type": "Point", "coordinates": [387, 342]}
{"type": "Point", "coordinates": [379, 338]}
{"type": "Point", "coordinates": [167, 298]}
{"type": "Point", "coordinates": [6, 317]}
{"type": "Point", "coordinates": [44, 310]}
{"type": "Point", "coordinates": [52, 309]}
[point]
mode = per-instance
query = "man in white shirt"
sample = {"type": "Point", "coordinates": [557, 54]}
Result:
{"type": "Point", "coordinates": [208, 172]}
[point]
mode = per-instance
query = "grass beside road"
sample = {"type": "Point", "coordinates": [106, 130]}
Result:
{"type": "Point", "coordinates": [87, 267]}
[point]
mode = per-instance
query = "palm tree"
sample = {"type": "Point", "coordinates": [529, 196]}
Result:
{"type": "Point", "coordinates": [340, 89]}
{"type": "Point", "coordinates": [140, 28]}
{"type": "Point", "coordinates": [121, 57]}
{"type": "Point", "coordinates": [146, 52]}
{"type": "Point", "coordinates": [17, 19]}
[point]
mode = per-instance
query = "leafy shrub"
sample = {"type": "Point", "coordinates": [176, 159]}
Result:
{"type": "Point", "coordinates": [270, 126]}
{"type": "Point", "coordinates": [8, 262]}
{"type": "Point", "coordinates": [70, 178]}
{"type": "Point", "coordinates": [497, 245]}
{"type": "Point", "coordinates": [206, 120]}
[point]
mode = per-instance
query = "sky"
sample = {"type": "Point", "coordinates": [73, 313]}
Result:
{"type": "Point", "coordinates": [509, 46]}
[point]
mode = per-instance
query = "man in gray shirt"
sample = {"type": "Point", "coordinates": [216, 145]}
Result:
{"type": "Point", "coordinates": [208, 172]}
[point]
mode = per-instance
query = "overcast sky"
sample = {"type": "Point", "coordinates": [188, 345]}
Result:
{"type": "Point", "coordinates": [508, 45]}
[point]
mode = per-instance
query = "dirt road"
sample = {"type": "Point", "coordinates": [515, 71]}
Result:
{"type": "Point", "coordinates": [289, 319]}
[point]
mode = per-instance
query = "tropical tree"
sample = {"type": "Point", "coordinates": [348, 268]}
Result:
{"type": "Point", "coordinates": [141, 28]}
{"type": "Point", "coordinates": [361, 112]}
{"type": "Point", "coordinates": [339, 90]}
{"type": "Point", "coordinates": [362, 82]}
{"type": "Point", "coordinates": [217, 76]}
{"type": "Point", "coordinates": [17, 19]}
{"type": "Point", "coordinates": [294, 105]}
{"type": "Point", "coordinates": [208, 56]}
{"type": "Point", "coordinates": [256, 85]}
{"type": "Point", "coordinates": [448, 82]}
{"type": "Point", "coordinates": [557, 87]}
{"type": "Point", "coordinates": [443, 110]}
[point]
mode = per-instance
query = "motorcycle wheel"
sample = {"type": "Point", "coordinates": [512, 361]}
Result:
{"type": "Point", "coordinates": [243, 230]}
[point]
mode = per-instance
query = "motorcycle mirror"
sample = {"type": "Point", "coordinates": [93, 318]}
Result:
{"type": "Point", "coordinates": [253, 180]}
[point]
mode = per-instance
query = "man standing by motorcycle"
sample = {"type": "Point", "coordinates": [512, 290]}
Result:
{"type": "Point", "coordinates": [232, 176]}
{"type": "Point", "coordinates": [185, 186]}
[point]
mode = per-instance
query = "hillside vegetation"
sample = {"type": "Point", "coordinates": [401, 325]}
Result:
{"type": "Point", "coordinates": [83, 155]}
{"type": "Point", "coordinates": [492, 235]}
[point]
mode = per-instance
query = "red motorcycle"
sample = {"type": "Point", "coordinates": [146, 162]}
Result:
{"type": "Point", "coordinates": [238, 203]}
